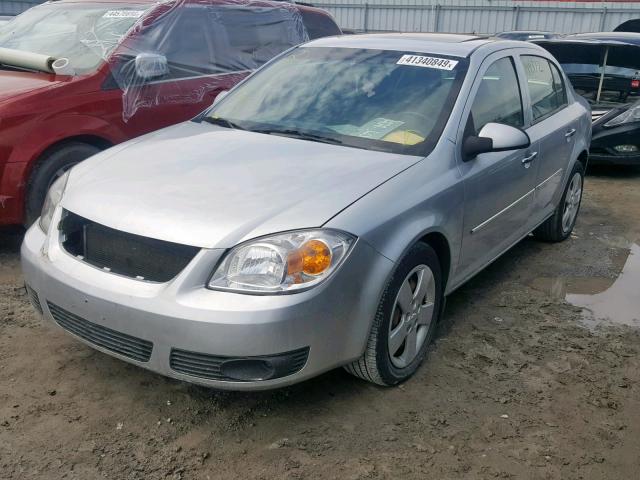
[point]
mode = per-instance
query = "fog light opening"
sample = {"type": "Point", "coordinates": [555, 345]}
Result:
{"type": "Point", "coordinates": [626, 148]}
{"type": "Point", "coordinates": [248, 370]}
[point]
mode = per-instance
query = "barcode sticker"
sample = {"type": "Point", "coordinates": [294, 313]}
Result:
{"type": "Point", "coordinates": [427, 62]}
{"type": "Point", "coordinates": [123, 14]}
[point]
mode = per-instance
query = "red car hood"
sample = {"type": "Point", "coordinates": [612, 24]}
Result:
{"type": "Point", "coordinates": [13, 84]}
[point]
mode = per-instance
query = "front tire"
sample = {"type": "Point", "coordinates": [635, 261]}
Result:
{"type": "Point", "coordinates": [405, 321]}
{"type": "Point", "coordinates": [50, 167]}
{"type": "Point", "coordinates": [559, 226]}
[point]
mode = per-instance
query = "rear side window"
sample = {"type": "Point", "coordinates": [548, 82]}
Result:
{"type": "Point", "coordinates": [319, 25]}
{"type": "Point", "coordinates": [246, 38]}
{"type": "Point", "coordinates": [546, 88]}
{"type": "Point", "coordinates": [498, 98]}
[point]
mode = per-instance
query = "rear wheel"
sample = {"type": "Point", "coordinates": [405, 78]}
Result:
{"type": "Point", "coordinates": [50, 167]}
{"type": "Point", "coordinates": [559, 226]}
{"type": "Point", "coordinates": [405, 321]}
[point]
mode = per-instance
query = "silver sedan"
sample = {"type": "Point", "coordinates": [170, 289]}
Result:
{"type": "Point", "coordinates": [317, 215]}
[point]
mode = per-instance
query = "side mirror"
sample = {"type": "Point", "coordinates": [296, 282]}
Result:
{"type": "Point", "coordinates": [220, 96]}
{"type": "Point", "coordinates": [494, 137]}
{"type": "Point", "coordinates": [151, 65]}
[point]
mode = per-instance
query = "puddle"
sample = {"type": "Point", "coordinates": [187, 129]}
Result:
{"type": "Point", "coordinates": [604, 300]}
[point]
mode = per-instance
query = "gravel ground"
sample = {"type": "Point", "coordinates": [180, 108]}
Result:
{"type": "Point", "coordinates": [519, 384]}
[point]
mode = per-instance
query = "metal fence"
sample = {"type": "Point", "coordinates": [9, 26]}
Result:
{"type": "Point", "coordinates": [458, 16]}
{"type": "Point", "coordinates": [483, 16]}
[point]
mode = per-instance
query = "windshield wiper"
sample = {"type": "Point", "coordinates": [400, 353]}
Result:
{"type": "Point", "coordinates": [301, 135]}
{"type": "Point", "coordinates": [223, 122]}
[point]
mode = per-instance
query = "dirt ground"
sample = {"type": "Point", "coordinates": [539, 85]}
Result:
{"type": "Point", "coordinates": [520, 383]}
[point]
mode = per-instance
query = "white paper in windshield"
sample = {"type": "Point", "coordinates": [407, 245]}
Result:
{"type": "Point", "coordinates": [375, 129]}
{"type": "Point", "coordinates": [123, 14]}
{"type": "Point", "coordinates": [427, 62]}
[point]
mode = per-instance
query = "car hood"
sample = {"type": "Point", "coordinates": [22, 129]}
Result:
{"type": "Point", "coordinates": [213, 187]}
{"type": "Point", "coordinates": [13, 83]}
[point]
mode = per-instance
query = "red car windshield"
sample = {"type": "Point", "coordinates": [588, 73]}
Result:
{"type": "Point", "coordinates": [83, 33]}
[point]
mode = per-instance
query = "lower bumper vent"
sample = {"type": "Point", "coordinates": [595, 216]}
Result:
{"type": "Point", "coordinates": [34, 299]}
{"type": "Point", "coordinates": [117, 342]}
{"type": "Point", "coordinates": [238, 369]}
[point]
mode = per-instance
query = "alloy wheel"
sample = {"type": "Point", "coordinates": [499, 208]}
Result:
{"type": "Point", "coordinates": [411, 317]}
{"type": "Point", "coordinates": [572, 202]}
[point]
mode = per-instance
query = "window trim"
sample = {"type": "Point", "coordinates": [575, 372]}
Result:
{"type": "Point", "coordinates": [535, 121]}
{"type": "Point", "coordinates": [476, 87]}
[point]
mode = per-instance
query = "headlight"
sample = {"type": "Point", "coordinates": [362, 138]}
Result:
{"type": "Point", "coordinates": [51, 201]}
{"type": "Point", "coordinates": [286, 262]}
{"type": "Point", "coordinates": [630, 115]}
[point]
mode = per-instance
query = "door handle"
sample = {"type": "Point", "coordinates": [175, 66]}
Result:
{"type": "Point", "coordinates": [570, 133]}
{"type": "Point", "coordinates": [526, 161]}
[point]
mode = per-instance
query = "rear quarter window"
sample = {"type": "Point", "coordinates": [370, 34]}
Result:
{"type": "Point", "coordinates": [319, 25]}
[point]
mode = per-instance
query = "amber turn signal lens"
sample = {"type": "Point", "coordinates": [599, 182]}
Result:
{"type": "Point", "coordinates": [316, 257]}
{"type": "Point", "coordinates": [312, 258]}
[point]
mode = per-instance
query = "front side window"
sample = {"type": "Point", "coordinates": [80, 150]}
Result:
{"type": "Point", "coordinates": [546, 90]}
{"type": "Point", "coordinates": [202, 40]}
{"type": "Point", "coordinates": [84, 33]}
{"type": "Point", "coordinates": [373, 99]}
{"type": "Point", "coordinates": [498, 98]}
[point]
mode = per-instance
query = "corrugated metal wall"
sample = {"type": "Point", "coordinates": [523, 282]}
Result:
{"type": "Point", "coordinates": [479, 16]}
{"type": "Point", "coordinates": [459, 16]}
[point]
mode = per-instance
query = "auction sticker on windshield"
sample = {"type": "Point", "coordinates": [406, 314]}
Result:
{"type": "Point", "coordinates": [427, 62]}
{"type": "Point", "coordinates": [123, 14]}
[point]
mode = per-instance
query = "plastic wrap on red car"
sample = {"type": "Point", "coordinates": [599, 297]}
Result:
{"type": "Point", "coordinates": [216, 43]}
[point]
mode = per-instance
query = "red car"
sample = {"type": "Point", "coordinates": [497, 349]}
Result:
{"type": "Point", "coordinates": [78, 76]}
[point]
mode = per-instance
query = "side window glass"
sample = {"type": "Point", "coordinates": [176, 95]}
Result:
{"type": "Point", "coordinates": [182, 39]}
{"type": "Point", "coordinates": [558, 85]}
{"type": "Point", "coordinates": [187, 45]}
{"type": "Point", "coordinates": [319, 26]}
{"type": "Point", "coordinates": [498, 98]}
{"type": "Point", "coordinates": [204, 40]}
{"type": "Point", "coordinates": [546, 90]}
{"type": "Point", "coordinates": [245, 39]}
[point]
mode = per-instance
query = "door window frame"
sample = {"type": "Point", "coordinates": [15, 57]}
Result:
{"type": "Point", "coordinates": [525, 84]}
{"type": "Point", "coordinates": [473, 91]}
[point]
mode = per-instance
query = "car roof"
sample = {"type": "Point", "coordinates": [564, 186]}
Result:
{"type": "Point", "coordinates": [528, 32]}
{"type": "Point", "coordinates": [256, 3]}
{"type": "Point", "coordinates": [442, 43]}
{"type": "Point", "coordinates": [603, 38]}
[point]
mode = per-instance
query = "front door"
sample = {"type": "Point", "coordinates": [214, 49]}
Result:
{"type": "Point", "coordinates": [498, 186]}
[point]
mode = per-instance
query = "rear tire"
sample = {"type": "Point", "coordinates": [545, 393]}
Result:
{"type": "Point", "coordinates": [559, 226]}
{"type": "Point", "coordinates": [405, 321]}
{"type": "Point", "coordinates": [50, 167]}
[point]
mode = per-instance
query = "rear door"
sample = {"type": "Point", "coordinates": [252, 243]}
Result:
{"type": "Point", "coordinates": [498, 185]}
{"type": "Point", "coordinates": [553, 127]}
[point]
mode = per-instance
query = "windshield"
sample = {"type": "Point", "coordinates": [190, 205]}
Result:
{"type": "Point", "coordinates": [83, 33]}
{"type": "Point", "coordinates": [378, 100]}
{"type": "Point", "coordinates": [584, 65]}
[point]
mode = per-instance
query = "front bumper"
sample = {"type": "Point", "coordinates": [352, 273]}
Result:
{"type": "Point", "coordinates": [329, 323]}
{"type": "Point", "coordinates": [602, 151]}
{"type": "Point", "coordinates": [598, 157]}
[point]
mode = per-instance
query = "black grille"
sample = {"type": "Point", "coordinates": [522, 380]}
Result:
{"type": "Point", "coordinates": [33, 298]}
{"type": "Point", "coordinates": [124, 253]}
{"type": "Point", "coordinates": [121, 343]}
{"type": "Point", "coordinates": [215, 367]}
